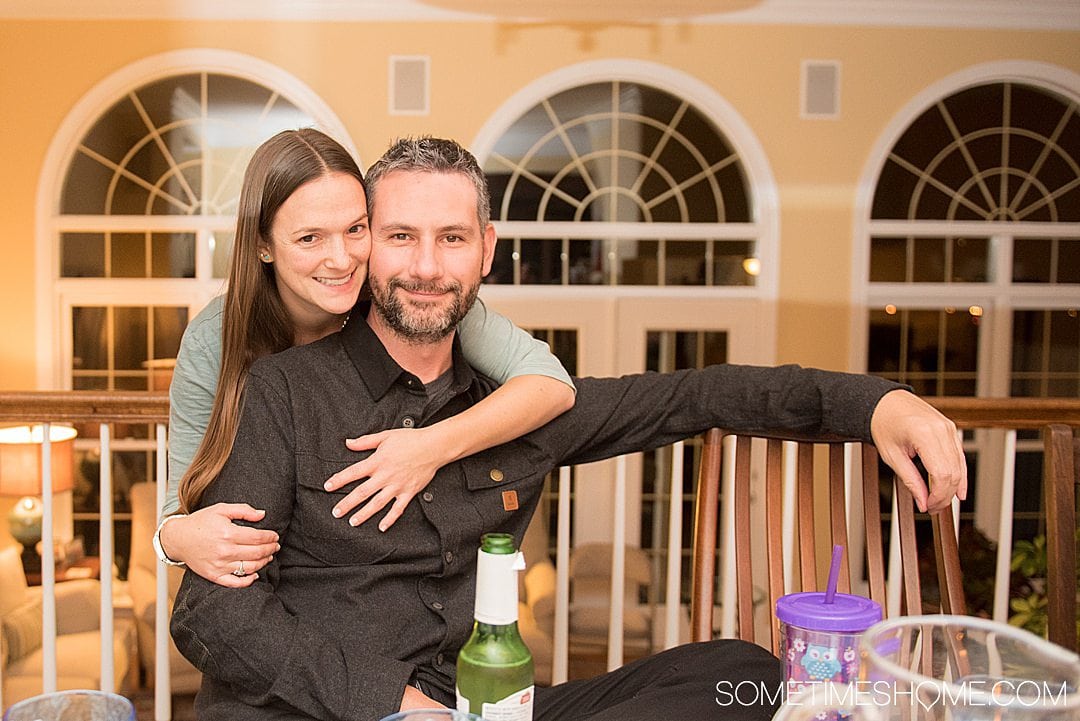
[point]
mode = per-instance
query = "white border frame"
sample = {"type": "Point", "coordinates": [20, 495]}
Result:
{"type": "Point", "coordinates": [49, 345]}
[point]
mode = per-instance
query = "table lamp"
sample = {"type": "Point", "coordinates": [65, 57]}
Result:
{"type": "Point", "coordinates": [22, 475]}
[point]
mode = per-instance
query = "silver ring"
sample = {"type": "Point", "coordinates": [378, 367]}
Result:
{"type": "Point", "coordinates": [240, 571]}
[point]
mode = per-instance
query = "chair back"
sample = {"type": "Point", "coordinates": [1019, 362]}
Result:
{"type": "Point", "coordinates": [1061, 476]}
{"type": "Point", "coordinates": [805, 517]}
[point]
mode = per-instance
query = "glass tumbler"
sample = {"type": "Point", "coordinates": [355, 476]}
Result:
{"type": "Point", "coordinates": [439, 714]}
{"type": "Point", "coordinates": [78, 705]}
{"type": "Point", "coordinates": [962, 668]}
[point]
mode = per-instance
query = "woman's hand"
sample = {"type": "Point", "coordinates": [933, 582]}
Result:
{"type": "Point", "coordinates": [404, 462]}
{"type": "Point", "coordinates": [213, 546]}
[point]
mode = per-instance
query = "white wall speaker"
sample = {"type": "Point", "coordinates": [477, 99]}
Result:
{"type": "Point", "coordinates": [410, 84]}
{"type": "Point", "coordinates": [820, 89]}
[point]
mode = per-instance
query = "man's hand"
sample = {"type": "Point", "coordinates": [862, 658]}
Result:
{"type": "Point", "coordinates": [414, 698]}
{"type": "Point", "coordinates": [403, 463]}
{"type": "Point", "coordinates": [904, 426]}
{"type": "Point", "coordinates": [212, 545]}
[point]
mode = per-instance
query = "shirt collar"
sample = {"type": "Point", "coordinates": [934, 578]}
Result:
{"type": "Point", "coordinates": [378, 369]}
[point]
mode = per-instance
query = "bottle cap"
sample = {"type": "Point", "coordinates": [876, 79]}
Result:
{"type": "Point", "coordinates": [847, 613]}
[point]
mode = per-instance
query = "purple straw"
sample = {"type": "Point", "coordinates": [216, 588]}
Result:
{"type": "Point", "coordinates": [834, 573]}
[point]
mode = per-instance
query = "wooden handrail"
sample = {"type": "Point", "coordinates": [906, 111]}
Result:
{"type": "Point", "coordinates": [153, 407]}
{"type": "Point", "coordinates": [84, 406]}
{"type": "Point", "coordinates": [1019, 413]}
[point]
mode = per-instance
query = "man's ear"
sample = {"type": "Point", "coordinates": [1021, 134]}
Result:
{"type": "Point", "coordinates": [490, 238]}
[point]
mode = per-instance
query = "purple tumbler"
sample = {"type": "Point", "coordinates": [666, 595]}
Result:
{"type": "Point", "coordinates": [819, 633]}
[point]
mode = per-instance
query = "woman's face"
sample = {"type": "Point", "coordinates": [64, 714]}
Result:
{"type": "Point", "coordinates": [319, 246]}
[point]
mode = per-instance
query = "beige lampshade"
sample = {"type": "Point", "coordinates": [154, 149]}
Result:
{"type": "Point", "coordinates": [21, 459]}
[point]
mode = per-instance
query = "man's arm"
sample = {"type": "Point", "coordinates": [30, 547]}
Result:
{"type": "Point", "coordinates": [245, 637]}
{"type": "Point", "coordinates": [623, 415]}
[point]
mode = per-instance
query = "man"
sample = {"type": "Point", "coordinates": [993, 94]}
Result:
{"type": "Point", "coordinates": [353, 623]}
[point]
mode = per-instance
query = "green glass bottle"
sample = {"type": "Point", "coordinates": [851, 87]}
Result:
{"type": "Point", "coordinates": [495, 667]}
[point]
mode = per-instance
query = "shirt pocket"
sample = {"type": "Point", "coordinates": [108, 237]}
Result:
{"type": "Point", "coordinates": [330, 540]}
{"type": "Point", "coordinates": [505, 481]}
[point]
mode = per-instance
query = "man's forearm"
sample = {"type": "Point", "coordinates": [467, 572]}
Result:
{"type": "Point", "coordinates": [622, 415]}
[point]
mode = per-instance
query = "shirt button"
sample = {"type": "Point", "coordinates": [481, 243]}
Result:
{"type": "Point", "coordinates": [496, 475]}
{"type": "Point", "coordinates": [439, 660]}
{"type": "Point", "coordinates": [437, 606]}
{"type": "Point", "coordinates": [408, 422]}
{"type": "Point", "coordinates": [449, 556]}
{"type": "Point", "coordinates": [428, 496]}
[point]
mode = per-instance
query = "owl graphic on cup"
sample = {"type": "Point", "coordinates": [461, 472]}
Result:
{"type": "Point", "coordinates": [820, 662]}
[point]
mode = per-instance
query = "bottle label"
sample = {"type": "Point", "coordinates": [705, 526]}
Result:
{"type": "Point", "coordinates": [515, 707]}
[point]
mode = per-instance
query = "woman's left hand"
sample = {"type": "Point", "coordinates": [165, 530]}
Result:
{"type": "Point", "coordinates": [404, 462]}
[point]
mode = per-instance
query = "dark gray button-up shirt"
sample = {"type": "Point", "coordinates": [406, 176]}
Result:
{"type": "Point", "coordinates": [344, 617]}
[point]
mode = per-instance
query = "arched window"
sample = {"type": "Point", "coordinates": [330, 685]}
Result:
{"type": "Point", "coordinates": [978, 201]}
{"type": "Point", "coordinates": [137, 214]}
{"type": "Point", "coordinates": [150, 193]}
{"type": "Point", "coordinates": [972, 279]}
{"type": "Point", "coordinates": [620, 183]}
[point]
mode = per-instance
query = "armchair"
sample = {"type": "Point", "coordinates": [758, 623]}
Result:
{"type": "Point", "coordinates": [78, 636]}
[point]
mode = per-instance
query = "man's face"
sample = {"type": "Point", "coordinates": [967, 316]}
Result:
{"type": "Point", "coordinates": [428, 254]}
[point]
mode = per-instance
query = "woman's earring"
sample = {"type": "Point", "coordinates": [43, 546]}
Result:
{"type": "Point", "coordinates": [264, 257]}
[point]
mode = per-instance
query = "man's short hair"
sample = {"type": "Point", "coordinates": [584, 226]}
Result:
{"type": "Point", "coordinates": [431, 155]}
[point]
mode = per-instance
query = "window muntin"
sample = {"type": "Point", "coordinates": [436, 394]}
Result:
{"type": "Point", "coordinates": [174, 147]}
{"type": "Point", "coordinates": [617, 165]}
{"type": "Point", "coordinates": [1045, 354]}
{"type": "Point", "coordinates": [993, 152]}
{"type": "Point", "coordinates": [933, 350]}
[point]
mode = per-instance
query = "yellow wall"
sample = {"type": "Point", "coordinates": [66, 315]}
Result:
{"type": "Point", "coordinates": [46, 66]}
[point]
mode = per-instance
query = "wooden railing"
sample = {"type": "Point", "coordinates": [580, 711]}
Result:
{"type": "Point", "coordinates": [1009, 413]}
{"type": "Point", "coordinates": [84, 407]}
{"type": "Point", "coordinates": [983, 415]}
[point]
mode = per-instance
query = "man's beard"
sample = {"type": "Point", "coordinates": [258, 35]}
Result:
{"type": "Point", "coordinates": [421, 322]}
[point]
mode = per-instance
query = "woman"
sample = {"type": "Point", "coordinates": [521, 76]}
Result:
{"type": "Point", "coordinates": [299, 261]}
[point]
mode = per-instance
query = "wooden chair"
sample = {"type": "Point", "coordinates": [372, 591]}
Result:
{"type": "Point", "coordinates": [1061, 475]}
{"type": "Point", "coordinates": [705, 532]}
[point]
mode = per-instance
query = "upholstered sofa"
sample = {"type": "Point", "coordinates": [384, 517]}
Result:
{"type": "Point", "coordinates": [78, 636]}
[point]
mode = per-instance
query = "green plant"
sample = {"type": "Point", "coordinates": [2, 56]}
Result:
{"type": "Point", "coordinates": [1029, 602]}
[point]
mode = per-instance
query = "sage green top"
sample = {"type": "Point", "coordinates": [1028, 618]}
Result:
{"type": "Point", "coordinates": [491, 343]}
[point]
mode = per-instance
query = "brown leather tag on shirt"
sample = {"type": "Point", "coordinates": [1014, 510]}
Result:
{"type": "Point", "coordinates": [510, 500]}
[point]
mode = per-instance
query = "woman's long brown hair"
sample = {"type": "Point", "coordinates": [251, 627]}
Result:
{"type": "Point", "coordinates": [254, 320]}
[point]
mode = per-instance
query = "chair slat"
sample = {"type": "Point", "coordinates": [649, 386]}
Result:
{"type": "Point", "coordinates": [743, 564]}
{"type": "Point", "coordinates": [875, 549]}
{"type": "Point", "coordinates": [1060, 479]}
{"type": "Point", "coordinates": [837, 510]}
{"type": "Point", "coordinates": [707, 501]}
{"type": "Point", "coordinates": [805, 479]}
{"type": "Point", "coordinates": [947, 559]}
{"type": "Point", "coordinates": [909, 553]}
{"type": "Point", "coordinates": [774, 525]}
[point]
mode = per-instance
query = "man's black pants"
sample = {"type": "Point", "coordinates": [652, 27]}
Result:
{"type": "Point", "coordinates": [719, 680]}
